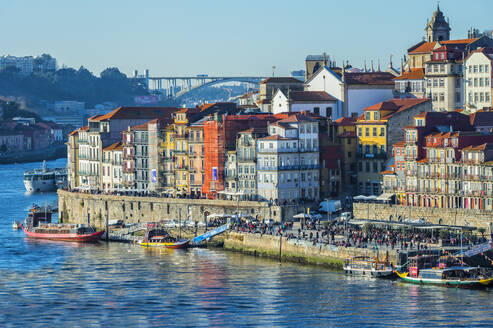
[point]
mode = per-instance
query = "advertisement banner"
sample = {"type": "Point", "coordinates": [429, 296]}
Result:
{"type": "Point", "coordinates": [214, 173]}
{"type": "Point", "coordinates": [154, 176]}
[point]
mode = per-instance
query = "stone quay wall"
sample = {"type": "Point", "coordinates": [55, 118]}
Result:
{"type": "Point", "coordinates": [296, 251]}
{"type": "Point", "coordinates": [82, 208]}
{"type": "Point", "coordinates": [453, 217]}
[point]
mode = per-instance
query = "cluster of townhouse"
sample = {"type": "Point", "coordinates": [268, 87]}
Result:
{"type": "Point", "coordinates": [200, 152]}
{"type": "Point", "coordinates": [362, 131]}
{"type": "Point", "coordinates": [25, 134]}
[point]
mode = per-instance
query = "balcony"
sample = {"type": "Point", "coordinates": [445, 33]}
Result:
{"type": "Point", "coordinates": [181, 167]}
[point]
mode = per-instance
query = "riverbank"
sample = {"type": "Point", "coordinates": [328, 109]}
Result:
{"type": "Point", "coordinates": [45, 154]}
{"type": "Point", "coordinates": [272, 247]}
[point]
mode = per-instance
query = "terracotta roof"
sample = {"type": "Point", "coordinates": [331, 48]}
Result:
{"type": "Point", "coordinates": [122, 113]}
{"type": "Point", "coordinates": [346, 120]}
{"type": "Point", "coordinates": [84, 128]}
{"type": "Point", "coordinates": [478, 147]}
{"type": "Point", "coordinates": [424, 160]}
{"type": "Point", "coordinates": [281, 80]}
{"type": "Point", "coordinates": [115, 146]}
{"type": "Point", "coordinates": [414, 74]}
{"type": "Point", "coordinates": [142, 126]}
{"type": "Point", "coordinates": [297, 118]}
{"type": "Point", "coordinates": [387, 172]}
{"type": "Point", "coordinates": [283, 125]}
{"type": "Point", "coordinates": [312, 96]}
{"type": "Point", "coordinates": [255, 130]}
{"type": "Point", "coordinates": [372, 78]}
{"type": "Point", "coordinates": [275, 137]}
{"type": "Point", "coordinates": [460, 41]}
{"type": "Point", "coordinates": [425, 47]}
{"type": "Point", "coordinates": [400, 143]}
{"type": "Point", "coordinates": [481, 118]}
{"type": "Point", "coordinates": [395, 106]}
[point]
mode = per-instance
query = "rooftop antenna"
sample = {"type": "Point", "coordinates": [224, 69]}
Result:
{"type": "Point", "coordinates": [379, 65]}
{"type": "Point", "coordinates": [390, 63]}
{"type": "Point", "coordinates": [273, 70]}
{"type": "Point", "coordinates": [366, 70]}
{"type": "Point", "coordinates": [372, 69]}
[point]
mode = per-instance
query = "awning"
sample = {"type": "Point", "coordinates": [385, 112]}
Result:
{"type": "Point", "coordinates": [301, 216]}
{"type": "Point", "coordinates": [385, 196]}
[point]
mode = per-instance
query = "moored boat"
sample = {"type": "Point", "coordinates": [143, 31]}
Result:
{"type": "Point", "coordinates": [158, 237]}
{"type": "Point", "coordinates": [447, 272]}
{"type": "Point", "coordinates": [368, 266]}
{"type": "Point", "coordinates": [38, 225]}
{"type": "Point", "coordinates": [44, 179]}
{"type": "Point", "coordinates": [460, 276]}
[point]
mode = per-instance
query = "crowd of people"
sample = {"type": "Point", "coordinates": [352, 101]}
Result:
{"type": "Point", "coordinates": [343, 234]}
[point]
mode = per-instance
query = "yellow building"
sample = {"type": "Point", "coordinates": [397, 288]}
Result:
{"type": "Point", "coordinates": [181, 151]}
{"type": "Point", "coordinates": [378, 129]}
{"type": "Point", "coordinates": [168, 165]}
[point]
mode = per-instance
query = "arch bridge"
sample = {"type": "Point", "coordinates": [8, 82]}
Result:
{"type": "Point", "coordinates": [177, 86]}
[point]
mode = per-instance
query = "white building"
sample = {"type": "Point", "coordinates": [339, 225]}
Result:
{"type": "Point", "coordinates": [477, 76]}
{"type": "Point", "coordinates": [316, 102]}
{"type": "Point", "coordinates": [24, 64]}
{"type": "Point", "coordinates": [353, 91]}
{"type": "Point", "coordinates": [288, 161]}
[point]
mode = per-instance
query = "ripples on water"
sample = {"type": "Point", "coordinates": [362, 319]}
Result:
{"type": "Point", "coordinates": [45, 283]}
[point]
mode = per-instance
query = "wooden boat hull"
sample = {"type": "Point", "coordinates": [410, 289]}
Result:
{"type": "Point", "coordinates": [172, 245]}
{"type": "Point", "coordinates": [447, 283]}
{"type": "Point", "coordinates": [85, 238]}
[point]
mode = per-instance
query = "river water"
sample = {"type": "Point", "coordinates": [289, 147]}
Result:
{"type": "Point", "coordinates": [63, 284]}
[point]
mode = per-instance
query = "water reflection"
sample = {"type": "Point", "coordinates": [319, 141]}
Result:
{"type": "Point", "coordinates": [46, 283]}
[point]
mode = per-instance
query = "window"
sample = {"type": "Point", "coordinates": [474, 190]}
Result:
{"type": "Point", "coordinates": [475, 68]}
{"type": "Point", "coordinates": [360, 133]}
{"type": "Point", "coordinates": [435, 83]}
{"type": "Point", "coordinates": [487, 96]}
{"type": "Point", "coordinates": [349, 154]}
{"type": "Point", "coordinates": [486, 68]}
{"type": "Point", "coordinates": [486, 81]}
{"type": "Point", "coordinates": [367, 132]}
{"type": "Point", "coordinates": [375, 167]}
{"type": "Point", "coordinates": [374, 132]}
{"type": "Point", "coordinates": [457, 83]}
{"type": "Point", "coordinates": [442, 97]}
{"type": "Point", "coordinates": [476, 97]}
{"type": "Point", "coordinates": [441, 82]}
{"type": "Point", "coordinates": [481, 81]}
{"type": "Point", "coordinates": [376, 116]}
{"type": "Point", "coordinates": [481, 97]}
{"type": "Point", "coordinates": [457, 97]}
{"type": "Point", "coordinates": [316, 110]}
{"type": "Point", "coordinates": [480, 68]}
{"type": "Point", "coordinates": [368, 115]}
{"type": "Point", "coordinates": [442, 66]}
{"type": "Point", "coordinates": [475, 81]}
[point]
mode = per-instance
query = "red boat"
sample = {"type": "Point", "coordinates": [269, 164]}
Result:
{"type": "Point", "coordinates": [38, 225]}
{"type": "Point", "coordinates": [64, 233]}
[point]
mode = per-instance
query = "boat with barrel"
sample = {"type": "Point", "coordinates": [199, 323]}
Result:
{"type": "Point", "coordinates": [38, 225]}
{"type": "Point", "coordinates": [368, 266]}
{"type": "Point", "coordinates": [448, 272]}
{"type": "Point", "coordinates": [156, 236]}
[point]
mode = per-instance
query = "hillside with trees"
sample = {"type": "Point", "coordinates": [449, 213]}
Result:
{"type": "Point", "coordinates": [69, 84]}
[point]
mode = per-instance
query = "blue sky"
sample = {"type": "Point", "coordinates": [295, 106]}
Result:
{"type": "Point", "coordinates": [224, 37]}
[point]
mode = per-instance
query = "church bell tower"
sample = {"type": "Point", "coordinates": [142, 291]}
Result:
{"type": "Point", "coordinates": [437, 29]}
